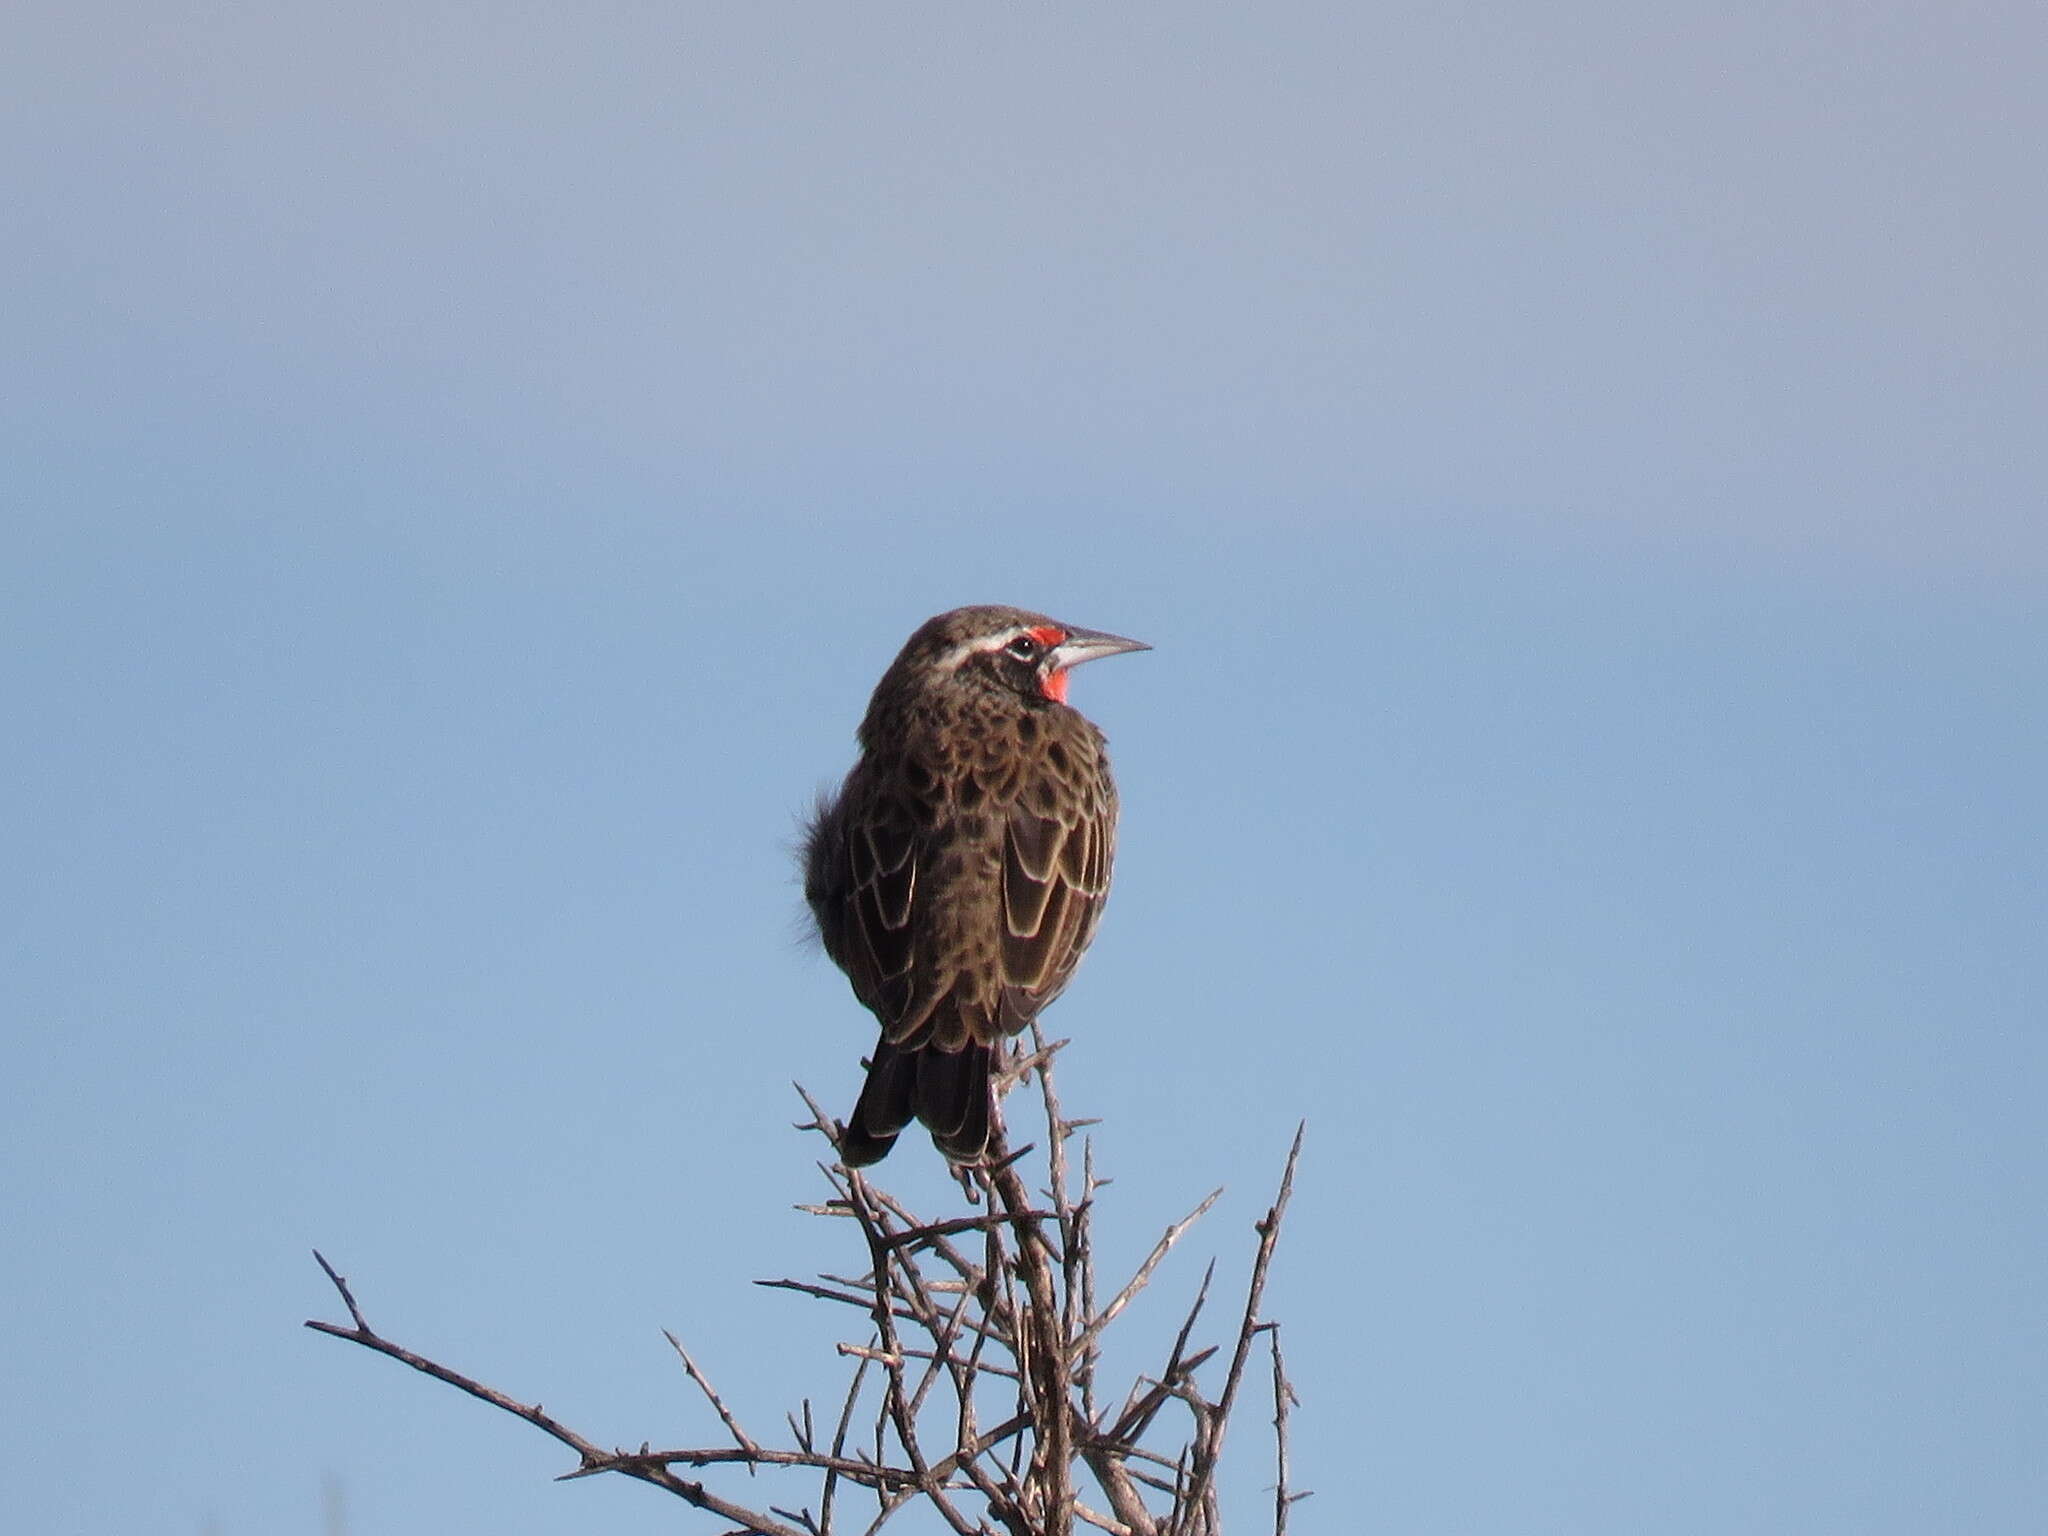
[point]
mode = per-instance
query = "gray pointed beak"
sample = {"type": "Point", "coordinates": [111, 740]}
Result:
{"type": "Point", "coordinates": [1090, 645]}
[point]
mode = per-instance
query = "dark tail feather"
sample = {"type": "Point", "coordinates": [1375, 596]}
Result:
{"type": "Point", "coordinates": [948, 1090]}
{"type": "Point", "coordinates": [953, 1099]}
{"type": "Point", "coordinates": [887, 1102]}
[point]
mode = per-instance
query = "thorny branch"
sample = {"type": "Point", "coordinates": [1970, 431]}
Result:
{"type": "Point", "coordinates": [988, 1318]}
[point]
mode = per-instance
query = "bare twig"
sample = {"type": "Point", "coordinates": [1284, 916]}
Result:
{"type": "Point", "coordinates": [897, 1400]}
{"type": "Point", "coordinates": [1047, 1359]}
{"type": "Point", "coordinates": [868, 1472]}
{"type": "Point", "coordinates": [740, 1436]}
{"type": "Point", "coordinates": [691, 1492]}
{"type": "Point", "coordinates": [1143, 1277]}
{"type": "Point", "coordinates": [831, 1485]}
{"type": "Point", "coordinates": [1283, 1399]}
{"type": "Point", "coordinates": [920, 1236]}
{"type": "Point", "coordinates": [1209, 1445]}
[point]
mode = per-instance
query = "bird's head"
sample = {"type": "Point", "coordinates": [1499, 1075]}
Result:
{"type": "Point", "coordinates": [1008, 649]}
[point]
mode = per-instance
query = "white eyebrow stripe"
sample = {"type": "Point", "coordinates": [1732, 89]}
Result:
{"type": "Point", "coordinates": [986, 644]}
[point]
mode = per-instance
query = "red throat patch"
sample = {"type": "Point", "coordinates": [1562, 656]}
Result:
{"type": "Point", "coordinates": [1054, 686]}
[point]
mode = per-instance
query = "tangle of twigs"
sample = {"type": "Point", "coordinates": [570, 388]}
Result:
{"type": "Point", "coordinates": [989, 1319]}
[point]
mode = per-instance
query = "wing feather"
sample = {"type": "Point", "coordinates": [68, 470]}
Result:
{"type": "Point", "coordinates": [1031, 854]}
{"type": "Point", "coordinates": [871, 939]}
{"type": "Point", "coordinates": [1055, 875]}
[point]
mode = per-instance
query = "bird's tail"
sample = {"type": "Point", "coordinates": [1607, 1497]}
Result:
{"type": "Point", "coordinates": [948, 1090]}
{"type": "Point", "coordinates": [886, 1105]}
{"type": "Point", "coordinates": [953, 1098]}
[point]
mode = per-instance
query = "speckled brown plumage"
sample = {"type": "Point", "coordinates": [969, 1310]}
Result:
{"type": "Point", "coordinates": [959, 872]}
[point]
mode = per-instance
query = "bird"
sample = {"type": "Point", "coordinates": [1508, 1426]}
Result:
{"type": "Point", "coordinates": [959, 872]}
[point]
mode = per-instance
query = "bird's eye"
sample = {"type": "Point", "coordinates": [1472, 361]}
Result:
{"type": "Point", "coordinates": [1024, 648]}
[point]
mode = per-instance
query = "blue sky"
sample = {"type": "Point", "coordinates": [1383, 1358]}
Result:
{"type": "Point", "coordinates": [1581, 470]}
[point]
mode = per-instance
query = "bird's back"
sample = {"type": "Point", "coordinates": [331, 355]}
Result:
{"type": "Point", "coordinates": [959, 874]}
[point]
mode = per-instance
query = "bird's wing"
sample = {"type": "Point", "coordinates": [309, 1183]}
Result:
{"type": "Point", "coordinates": [882, 847]}
{"type": "Point", "coordinates": [1056, 855]}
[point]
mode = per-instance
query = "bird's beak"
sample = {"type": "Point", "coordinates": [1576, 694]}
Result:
{"type": "Point", "coordinates": [1089, 645]}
